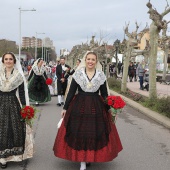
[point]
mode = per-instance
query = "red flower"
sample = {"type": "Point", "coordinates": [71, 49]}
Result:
{"type": "Point", "coordinates": [109, 102]}
{"type": "Point", "coordinates": [49, 81]}
{"type": "Point", "coordinates": [27, 114]}
{"type": "Point", "coordinates": [24, 115]}
{"type": "Point", "coordinates": [116, 103]}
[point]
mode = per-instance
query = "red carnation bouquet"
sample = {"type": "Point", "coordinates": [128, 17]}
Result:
{"type": "Point", "coordinates": [49, 81]}
{"type": "Point", "coordinates": [116, 104]}
{"type": "Point", "coordinates": [28, 114]}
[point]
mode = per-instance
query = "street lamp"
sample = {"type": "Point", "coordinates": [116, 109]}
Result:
{"type": "Point", "coordinates": [116, 44]}
{"type": "Point", "coordinates": [36, 44]}
{"type": "Point", "coordinates": [46, 58]}
{"type": "Point", "coordinates": [20, 10]}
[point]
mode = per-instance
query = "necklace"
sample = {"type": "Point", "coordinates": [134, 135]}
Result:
{"type": "Point", "coordinates": [91, 74]}
{"type": "Point", "coordinates": [8, 76]}
{"type": "Point", "coordinates": [90, 84]}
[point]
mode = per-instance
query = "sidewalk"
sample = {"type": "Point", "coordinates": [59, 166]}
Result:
{"type": "Point", "coordinates": [163, 90]}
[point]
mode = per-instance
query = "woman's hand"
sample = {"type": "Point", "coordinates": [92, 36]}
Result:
{"type": "Point", "coordinates": [110, 111]}
{"type": "Point", "coordinates": [63, 112]}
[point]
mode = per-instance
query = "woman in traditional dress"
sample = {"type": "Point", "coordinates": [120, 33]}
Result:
{"type": "Point", "coordinates": [87, 133]}
{"type": "Point", "coordinates": [37, 87]}
{"type": "Point", "coordinates": [16, 140]}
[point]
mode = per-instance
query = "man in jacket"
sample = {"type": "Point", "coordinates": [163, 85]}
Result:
{"type": "Point", "coordinates": [62, 73]}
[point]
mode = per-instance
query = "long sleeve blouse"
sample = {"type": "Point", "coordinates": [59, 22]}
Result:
{"type": "Point", "coordinates": [73, 88]}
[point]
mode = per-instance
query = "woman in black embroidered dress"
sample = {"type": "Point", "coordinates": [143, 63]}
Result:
{"type": "Point", "coordinates": [87, 133]}
{"type": "Point", "coordinates": [15, 136]}
{"type": "Point", "coordinates": [37, 87]}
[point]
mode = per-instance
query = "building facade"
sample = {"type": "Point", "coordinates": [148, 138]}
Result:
{"type": "Point", "coordinates": [64, 52]}
{"type": "Point", "coordinates": [48, 43]}
{"type": "Point", "coordinates": [30, 42]}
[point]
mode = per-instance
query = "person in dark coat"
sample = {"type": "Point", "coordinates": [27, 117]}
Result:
{"type": "Point", "coordinates": [131, 71]}
{"type": "Point", "coordinates": [135, 65]}
{"type": "Point", "coordinates": [119, 66]}
{"type": "Point", "coordinates": [62, 73]}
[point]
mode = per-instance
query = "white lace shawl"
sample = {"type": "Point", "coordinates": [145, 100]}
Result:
{"type": "Point", "coordinates": [39, 71]}
{"type": "Point", "coordinates": [13, 81]}
{"type": "Point", "coordinates": [89, 86]}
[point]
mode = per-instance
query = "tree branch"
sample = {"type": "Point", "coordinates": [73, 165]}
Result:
{"type": "Point", "coordinates": [165, 12]}
{"type": "Point", "coordinates": [166, 6]}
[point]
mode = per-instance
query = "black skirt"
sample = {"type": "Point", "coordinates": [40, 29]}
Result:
{"type": "Point", "coordinates": [38, 89]}
{"type": "Point", "coordinates": [12, 128]}
{"type": "Point", "coordinates": [87, 122]}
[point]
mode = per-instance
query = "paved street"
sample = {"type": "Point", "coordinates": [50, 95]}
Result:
{"type": "Point", "coordinates": [146, 143]}
{"type": "Point", "coordinates": [163, 90]}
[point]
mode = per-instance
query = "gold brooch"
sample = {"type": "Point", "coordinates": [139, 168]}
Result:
{"type": "Point", "coordinates": [89, 85]}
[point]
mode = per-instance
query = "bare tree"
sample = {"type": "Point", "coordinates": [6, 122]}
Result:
{"type": "Point", "coordinates": [155, 27]}
{"type": "Point", "coordinates": [164, 43]}
{"type": "Point", "coordinates": [129, 52]}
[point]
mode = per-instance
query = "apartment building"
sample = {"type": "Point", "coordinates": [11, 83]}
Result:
{"type": "Point", "coordinates": [30, 42]}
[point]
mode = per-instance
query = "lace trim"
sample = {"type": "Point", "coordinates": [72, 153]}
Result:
{"type": "Point", "coordinates": [38, 71]}
{"type": "Point", "coordinates": [89, 85]}
{"type": "Point", "coordinates": [7, 85]}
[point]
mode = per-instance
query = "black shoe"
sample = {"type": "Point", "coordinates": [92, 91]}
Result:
{"type": "Point", "coordinates": [3, 166]}
{"type": "Point", "coordinates": [58, 104]}
{"type": "Point", "coordinates": [62, 103]}
{"type": "Point", "coordinates": [88, 164]}
{"type": "Point", "coordinates": [36, 103]}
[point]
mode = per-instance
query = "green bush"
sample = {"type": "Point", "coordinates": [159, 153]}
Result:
{"type": "Point", "coordinates": [114, 84]}
{"type": "Point", "coordinates": [163, 105]}
{"type": "Point", "coordinates": [160, 105]}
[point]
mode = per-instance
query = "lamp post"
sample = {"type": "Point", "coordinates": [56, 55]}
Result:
{"type": "Point", "coordinates": [43, 49]}
{"type": "Point", "coordinates": [116, 44]}
{"type": "Point", "coordinates": [20, 10]}
{"type": "Point", "coordinates": [48, 60]}
{"type": "Point", "coordinates": [46, 55]}
{"type": "Point", "coordinates": [36, 44]}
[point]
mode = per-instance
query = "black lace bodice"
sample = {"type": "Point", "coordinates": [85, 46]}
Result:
{"type": "Point", "coordinates": [73, 88]}
{"type": "Point", "coordinates": [21, 93]}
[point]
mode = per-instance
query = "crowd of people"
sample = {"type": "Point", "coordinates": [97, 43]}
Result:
{"type": "Point", "coordinates": [87, 133]}
{"type": "Point", "coordinates": [136, 71]}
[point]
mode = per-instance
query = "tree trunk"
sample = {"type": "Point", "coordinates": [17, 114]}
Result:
{"type": "Point", "coordinates": [125, 68]}
{"type": "Point", "coordinates": [165, 64]}
{"type": "Point", "coordinates": [154, 32]}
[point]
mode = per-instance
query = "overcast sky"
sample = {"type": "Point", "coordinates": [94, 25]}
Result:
{"type": "Point", "coordinates": [71, 22]}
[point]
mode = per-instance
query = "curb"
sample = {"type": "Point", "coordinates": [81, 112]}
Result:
{"type": "Point", "coordinates": [163, 120]}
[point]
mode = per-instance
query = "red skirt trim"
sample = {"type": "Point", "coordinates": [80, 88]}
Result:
{"type": "Point", "coordinates": [106, 154]}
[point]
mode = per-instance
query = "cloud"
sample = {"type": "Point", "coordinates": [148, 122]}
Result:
{"type": "Point", "coordinates": [69, 22]}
